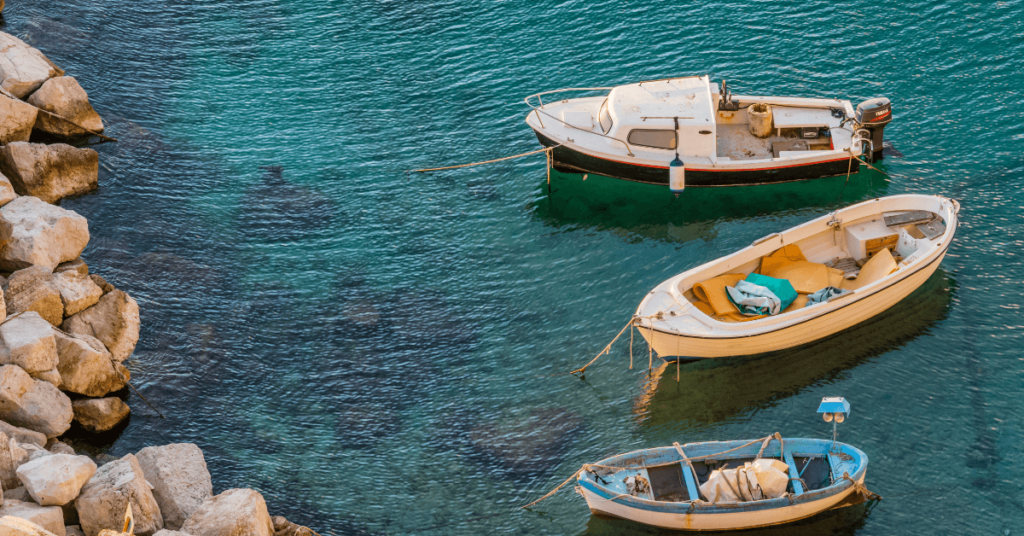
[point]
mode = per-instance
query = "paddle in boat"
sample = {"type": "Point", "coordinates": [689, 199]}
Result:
{"type": "Point", "coordinates": [801, 285]}
{"type": "Point", "coordinates": [701, 135]}
{"type": "Point", "coordinates": [730, 485]}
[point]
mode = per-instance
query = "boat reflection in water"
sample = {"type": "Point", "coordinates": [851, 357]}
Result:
{"type": "Point", "coordinates": [714, 390]}
{"type": "Point", "coordinates": [842, 521]}
{"type": "Point", "coordinates": [636, 210]}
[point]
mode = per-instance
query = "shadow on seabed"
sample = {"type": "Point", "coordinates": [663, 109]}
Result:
{"type": "Point", "coordinates": [651, 211]}
{"type": "Point", "coordinates": [713, 390]}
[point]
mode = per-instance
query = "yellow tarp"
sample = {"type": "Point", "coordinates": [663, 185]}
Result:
{"type": "Point", "coordinates": [713, 293]}
{"type": "Point", "coordinates": [782, 256]}
{"type": "Point", "coordinates": [805, 276]}
{"type": "Point", "coordinates": [877, 267]}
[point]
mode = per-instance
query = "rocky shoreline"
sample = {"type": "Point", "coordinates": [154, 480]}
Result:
{"type": "Point", "coordinates": [64, 337]}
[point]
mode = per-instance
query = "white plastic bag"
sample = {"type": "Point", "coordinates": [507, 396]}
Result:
{"type": "Point", "coordinates": [762, 479]}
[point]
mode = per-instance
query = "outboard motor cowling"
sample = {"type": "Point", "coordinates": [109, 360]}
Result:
{"type": "Point", "coordinates": [873, 115]}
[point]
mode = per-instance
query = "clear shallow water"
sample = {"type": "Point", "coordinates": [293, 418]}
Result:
{"type": "Point", "coordinates": [364, 345]}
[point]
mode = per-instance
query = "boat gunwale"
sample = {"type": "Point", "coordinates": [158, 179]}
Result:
{"type": "Point", "coordinates": [756, 329]}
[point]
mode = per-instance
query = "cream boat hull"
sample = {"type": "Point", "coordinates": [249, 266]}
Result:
{"type": "Point", "coordinates": [683, 331]}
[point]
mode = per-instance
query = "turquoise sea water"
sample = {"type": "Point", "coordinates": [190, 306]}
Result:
{"type": "Point", "coordinates": [371, 349]}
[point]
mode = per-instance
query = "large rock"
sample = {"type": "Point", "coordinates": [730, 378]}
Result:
{"type": "Point", "coordinates": [7, 193]}
{"type": "Point", "coordinates": [23, 435]}
{"type": "Point", "coordinates": [16, 120]}
{"type": "Point", "coordinates": [35, 232]}
{"type": "Point", "coordinates": [49, 172]}
{"type": "Point", "coordinates": [23, 69]}
{"type": "Point", "coordinates": [33, 289]}
{"type": "Point", "coordinates": [28, 342]}
{"type": "Point", "coordinates": [55, 480]}
{"type": "Point", "coordinates": [86, 366]}
{"type": "Point", "coordinates": [181, 482]}
{"type": "Point", "coordinates": [77, 265]}
{"type": "Point", "coordinates": [104, 498]}
{"type": "Point", "coordinates": [49, 518]}
{"type": "Point", "coordinates": [34, 404]}
{"type": "Point", "coordinates": [78, 291]}
{"type": "Point", "coordinates": [16, 526]}
{"type": "Point", "coordinates": [100, 414]}
{"type": "Point", "coordinates": [283, 527]}
{"type": "Point", "coordinates": [114, 320]}
{"type": "Point", "coordinates": [17, 494]}
{"type": "Point", "coordinates": [9, 463]}
{"type": "Point", "coordinates": [63, 96]}
{"type": "Point", "coordinates": [236, 512]}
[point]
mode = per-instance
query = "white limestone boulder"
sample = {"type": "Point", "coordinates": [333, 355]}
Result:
{"type": "Point", "coordinates": [78, 291]}
{"type": "Point", "coordinates": [22, 435]}
{"type": "Point", "coordinates": [28, 342]}
{"type": "Point", "coordinates": [86, 366]}
{"type": "Point", "coordinates": [23, 69]}
{"type": "Point", "coordinates": [236, 512]}
{"type": "Point", "coordinates": [55, 480]}
{"type": "Point", "coordinates": [17, 494]}
{"type": "Point", "coordinates": [16, 526]}
{"type": "Point", "coordinates": [33, 404]}
{"type": "Point", "coordinates": [181, 481]}
{"type": "Point", "coordinates": [49, 172]}
{"type": "Point", "coordinates": [114, 320]}
{"type": "Point", "coordinates": [35, 232]}
{"type": "Point", "coordinates": [33, 289]}
{"type": "Point", "coordinates": [104, 498]}
{"type": "Point", "coordinates": [50, 518]}
{"type": "Point", "coordinates": [16, 120]}
{"type": "Point", "coordinates": [63, 96]}
{"type": "Point", "coordinates": [100, 414]}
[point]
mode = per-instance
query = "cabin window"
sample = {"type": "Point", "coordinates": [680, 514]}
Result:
{"type": "Point", "coordinates": [605, 117]}
{"type": "Point", "coordinates": [659, 139]}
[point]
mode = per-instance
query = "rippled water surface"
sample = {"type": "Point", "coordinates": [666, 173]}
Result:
{"type": "Point", "coordinates": [371, 349]}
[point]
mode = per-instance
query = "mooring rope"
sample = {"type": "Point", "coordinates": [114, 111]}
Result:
{"type": "Point", "coordinates": [606, 349]}
{"type": "Point", "coordinates": [544, 150]}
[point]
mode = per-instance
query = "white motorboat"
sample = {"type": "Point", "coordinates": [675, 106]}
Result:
{"type": "Point", "coordinates": [873, 253]}
{"type": "Point", "coordinates": [688, 132]}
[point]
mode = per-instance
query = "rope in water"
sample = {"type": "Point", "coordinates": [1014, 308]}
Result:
{"type": "Point", "coordinates": [544, 150]}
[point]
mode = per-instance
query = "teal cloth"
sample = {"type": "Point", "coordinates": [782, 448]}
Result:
{"type": "Point", "coordinates": [770, 296]}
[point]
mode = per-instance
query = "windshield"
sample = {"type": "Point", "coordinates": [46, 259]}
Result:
{"type": "Point", "coordinates": [605, 117]}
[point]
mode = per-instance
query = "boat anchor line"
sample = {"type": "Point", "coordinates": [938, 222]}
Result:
{"type": "Point", "coordinates": [547, 156]}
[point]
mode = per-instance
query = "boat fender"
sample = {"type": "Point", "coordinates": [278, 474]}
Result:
{"type": "Point", "coordinates": [676, 176]}
{"type": "Point", "coordinates": [676, 171]}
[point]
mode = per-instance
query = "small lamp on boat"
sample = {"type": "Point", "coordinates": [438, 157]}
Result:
{"type": "Point", "coordinates": [834, 410]}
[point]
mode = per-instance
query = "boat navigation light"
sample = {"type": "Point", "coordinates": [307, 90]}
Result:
{"type": "Point", "coordinates": [834, 410]}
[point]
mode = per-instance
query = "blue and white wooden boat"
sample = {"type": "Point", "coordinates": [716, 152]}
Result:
{"type": "Point", "coordinates": [661, 486]}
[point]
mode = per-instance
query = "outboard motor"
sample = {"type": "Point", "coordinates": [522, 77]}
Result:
{"type": "Point", "coordinates": [873, 115]}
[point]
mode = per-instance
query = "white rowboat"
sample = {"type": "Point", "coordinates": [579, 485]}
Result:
{"type": "Point", "coordinates": [678, 326]}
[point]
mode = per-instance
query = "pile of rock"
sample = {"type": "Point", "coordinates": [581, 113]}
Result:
{"type": "Point", "coordinates": [169, 490]}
